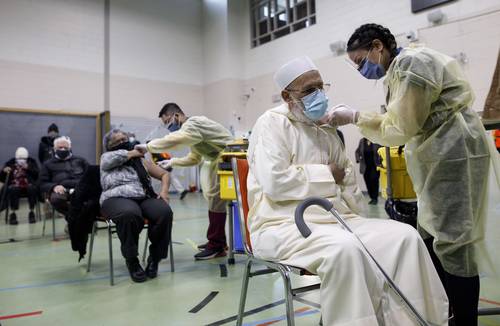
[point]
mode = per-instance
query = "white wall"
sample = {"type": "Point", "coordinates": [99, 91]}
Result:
{"type": "Point", "coordinates": [51, 54]}
{"type": "Point", "coordinates": [336, 20]}
{"type": "Point", "coordinates": [472, 27]}
{"type": "Point", "coordinates": [156, 56]}
{"type": "Point", "coordinates": [157, 40]}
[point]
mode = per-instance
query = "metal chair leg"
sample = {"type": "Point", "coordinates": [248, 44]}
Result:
{"type": "Point", "coordinates": [38, 211]}
{"type": "Point", "coordinates": [7, 214]}
{"type": "Point", "coordinates": [44, 219]}
{"type": "Point", "coordinates": [229, 208]}
{"type": "Point", "coordinates": [145, 248]}
{"type": "Point", "coordinates": [290, 316]}
{"type": "Point", "coordinates": [110, 244]}
{"type": "Point", "coordinates": [171, 249]}
{"type": "Point", "coordinates": [91, 246]}
{"type": "Point", "coordinates": [53, 224]}
{"type": "Point", "coordinates": [244, 289]}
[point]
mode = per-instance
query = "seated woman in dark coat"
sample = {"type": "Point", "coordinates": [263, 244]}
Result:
{"type": "Point", "coordinates": [128, 199]}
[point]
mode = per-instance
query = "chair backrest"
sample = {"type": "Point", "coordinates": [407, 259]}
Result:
{"type": "Point", "coordinates": [240, 172]}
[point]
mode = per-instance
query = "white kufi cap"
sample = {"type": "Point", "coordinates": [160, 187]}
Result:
{"type": "Point", "coordinates": [293, 69]}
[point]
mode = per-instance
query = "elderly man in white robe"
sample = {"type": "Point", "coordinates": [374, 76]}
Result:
{"type": "Point", "coordinates": [292, 156]}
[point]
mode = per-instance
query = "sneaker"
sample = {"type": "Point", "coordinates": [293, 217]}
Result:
{"type": "Point", "coordinates": [152, 267]}
{"type": "Point", "coordinates": [135, 270]}
{"type": "Point", "coordinates": [183, 194]}
{"type": "Point", "coordinates": [209, 254]}
{"type": "Point", "coordinates": [204, 246]}
{"type": "Point", "coordinates": [31, 217]}
{"type": "Point", "coordinates": [373, 202]}
{"type": "Point", "coordinates": [13, 219]}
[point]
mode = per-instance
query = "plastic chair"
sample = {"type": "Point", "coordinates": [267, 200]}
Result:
{"type": "Point", "coordinates": [240, 170]}
{"type": "Point", "coordinates": [111, 228]}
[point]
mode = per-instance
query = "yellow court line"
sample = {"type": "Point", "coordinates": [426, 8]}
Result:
{"type": "Point", "coordinates": [192, 243]}
{"type": "Point", "coordinates": [487, 321]}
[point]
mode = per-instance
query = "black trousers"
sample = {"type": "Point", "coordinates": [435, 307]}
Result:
{"type": "Point", "coordinates": [371, 177]}
{"type": "Point", "coordinates": [463, 292]}
{"type": "Point", "coordinates": [60, 202]}
{"type": "Point", "coordinates": [15, 193]}
{"type": "Point", "coordinates": [129, 215]}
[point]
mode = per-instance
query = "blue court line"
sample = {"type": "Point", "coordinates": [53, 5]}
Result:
{"type": "Point", "coordinates": [282, 317]}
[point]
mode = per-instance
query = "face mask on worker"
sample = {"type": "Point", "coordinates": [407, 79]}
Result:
{"type": "Point", "coordinates": [173, 125]}
{"type": "Point", "coordinates": [63, 154]}
{"type": "Point", "coordinates": [315, 105]}
{"type": "Point", "coordinates": [371, 70]}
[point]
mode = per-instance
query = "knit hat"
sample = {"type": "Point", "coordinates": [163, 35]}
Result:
{"type": "Point", "coordinates": [21, 153]}
{"type": "Point", "coordinates": [53, 127]}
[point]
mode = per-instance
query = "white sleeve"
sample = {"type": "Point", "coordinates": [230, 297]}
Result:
{"type": "Point", "coordinates": [270, 161]}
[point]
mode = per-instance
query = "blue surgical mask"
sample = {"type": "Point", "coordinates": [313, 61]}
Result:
{"type": "Point", "coordinates": [371, 70]}
{"type": "Point", "coordinates": [315, 104]}
{"type": "Point", "coordinates": [173, 126]}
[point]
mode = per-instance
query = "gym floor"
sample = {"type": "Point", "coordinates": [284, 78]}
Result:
{"type": "Point", "coordinates": [42, 283]}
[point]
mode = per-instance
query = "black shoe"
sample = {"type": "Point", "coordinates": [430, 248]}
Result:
{"type": "Point", "coordinates": [152, 267]}
{"type": "Point", "coordinates": [13, 219]}
{"type": "Point", "coordinates": [183, 194]}
{"type": "Point", "coordinates": [31, 217]}
{"type": "Point", "coordinates": [373, 202]}
{"type": "Point", "coordinates": [135, 270]}
{"type": "Point", "coordinates": [209, 254]}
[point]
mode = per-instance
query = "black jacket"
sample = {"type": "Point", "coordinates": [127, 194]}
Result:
{"type": "Point", "coordinates": [32, 175]}
{"type": "Point", "coordinates": [32, 172]}
{"type": "Point", "coordinates": [366, 162]}
{"type": "Point", "coordinates": [45, 148]}
{"type": "Point", "coordinates": [62, 172]}
{"type": "Point", "coordinates": [84, 208]}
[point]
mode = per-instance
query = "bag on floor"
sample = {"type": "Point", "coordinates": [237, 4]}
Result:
{"type": "Point", "coordinates": [405, 212]}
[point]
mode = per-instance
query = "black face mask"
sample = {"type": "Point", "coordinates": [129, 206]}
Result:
{"type": "Point", "coordinates": [125, 145]}
{"type": "Point", "coordinates": [63, 153]}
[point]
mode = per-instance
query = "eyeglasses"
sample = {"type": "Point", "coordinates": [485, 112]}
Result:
{"type": "Point", "coordinates": [355, 66]}
{"type": "Point", "coordinates": [324, 87]}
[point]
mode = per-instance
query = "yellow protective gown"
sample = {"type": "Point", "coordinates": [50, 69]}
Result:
{"type": "Point", "coordinates": [288, 159]}
{"type": "Point", "coordinates": [448, 157]}
{"type": "Point", "coordinates": [206, 139]}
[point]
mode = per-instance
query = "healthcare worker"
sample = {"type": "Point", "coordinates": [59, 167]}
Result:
{"type": "Point", "coordinates": [293, 156]}
{"type": "Point", "coordinates": [429, 104]}
{"type": "Point", "coordinates": [206, 139]}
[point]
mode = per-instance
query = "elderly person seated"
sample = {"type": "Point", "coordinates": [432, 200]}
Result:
{"type": "Point", "coordinates": [61, 174]}
{"type": "Point", "coordinates": [292, 156]}
{"type": "Point", "coordinates": [128, 199]}
{"type": "Point", "coordinates": [22, 172]}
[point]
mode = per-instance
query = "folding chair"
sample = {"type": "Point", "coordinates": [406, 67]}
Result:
{"type": "Point", "coordinates": [37, 211]}
{"type": "Point", "coordinates": [44, 219]}
{"type": "Point", "coordinates": [240, 170]}
{"type": "Point", "coordinates": [111, 228]}
{"type": "Point", "coordinates": [3, 201]}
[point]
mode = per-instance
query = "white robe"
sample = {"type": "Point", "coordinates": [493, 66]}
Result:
{"type": "Point", "coordinates": [288, 160]}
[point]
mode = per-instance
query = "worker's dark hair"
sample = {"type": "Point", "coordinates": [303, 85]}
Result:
{"type": "Point", "coordinates": [364, 35]}
{"type": "Point", "coordinates": [170, 108]}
